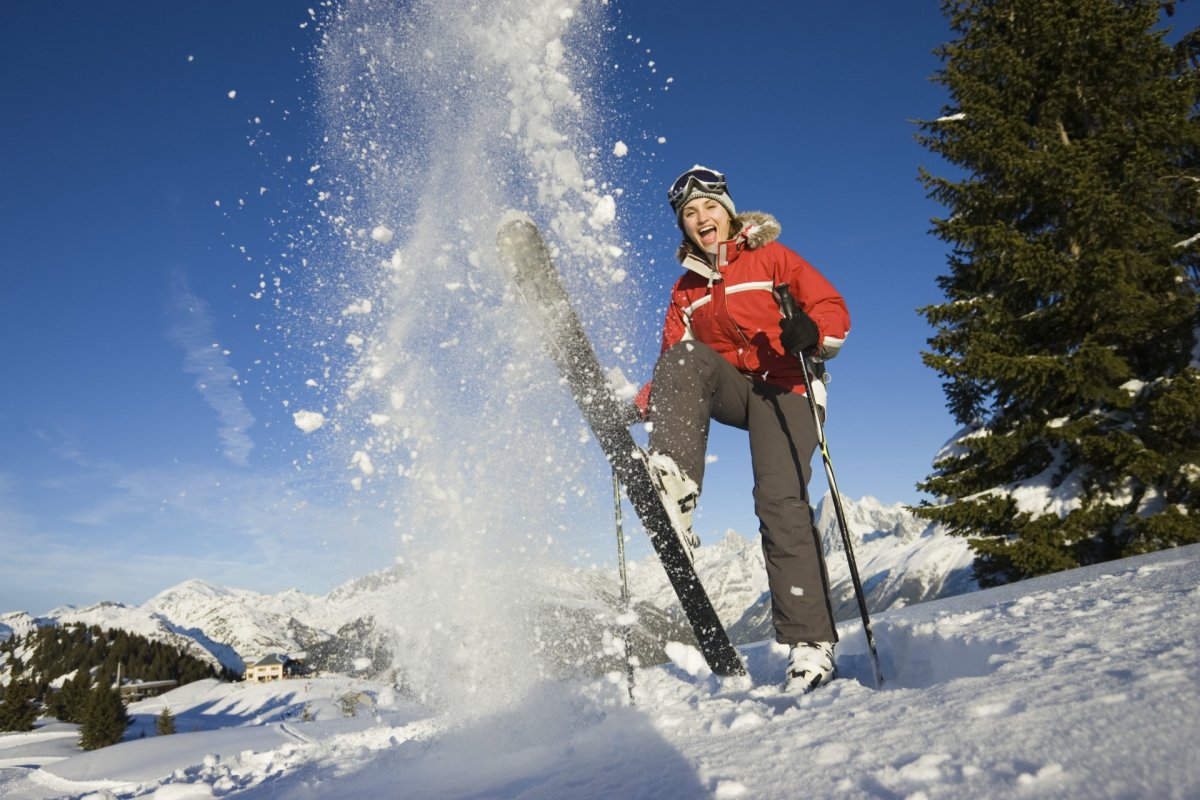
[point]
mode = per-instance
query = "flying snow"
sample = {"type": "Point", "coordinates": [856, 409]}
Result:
{"type": "Point", "coordinates": [308, 421]}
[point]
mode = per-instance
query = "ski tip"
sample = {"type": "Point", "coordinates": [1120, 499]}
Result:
{"type": "Point", "coordinates": [513, 219]}
{"type": "Point", "coordinates": [521, 246]}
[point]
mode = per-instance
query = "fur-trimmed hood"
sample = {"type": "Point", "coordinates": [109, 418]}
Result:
{"type": "Point", "coordinates": [754, 229]}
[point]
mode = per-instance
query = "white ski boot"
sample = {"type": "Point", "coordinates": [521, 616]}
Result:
{"type": "Point", "coordinates": [679, 495]}
{"type": "Point", "coordinates": [810, 664]}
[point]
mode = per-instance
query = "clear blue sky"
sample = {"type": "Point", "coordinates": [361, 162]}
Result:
{"type": "Point", "coordinates": [142, 203]}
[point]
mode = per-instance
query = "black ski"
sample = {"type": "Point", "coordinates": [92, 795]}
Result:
{"type": "Point", "coordinates": [539, 285]}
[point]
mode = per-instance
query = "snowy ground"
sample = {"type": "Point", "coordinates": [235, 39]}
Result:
{"type": "Point", "coordinates": [1081, 684]}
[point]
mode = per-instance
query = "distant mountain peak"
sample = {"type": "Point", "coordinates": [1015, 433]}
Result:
{"type": "Point", "coordinates": [194, 587]}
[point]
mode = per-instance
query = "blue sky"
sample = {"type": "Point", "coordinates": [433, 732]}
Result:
{"type": "Point", "coordinates": [142, 436]}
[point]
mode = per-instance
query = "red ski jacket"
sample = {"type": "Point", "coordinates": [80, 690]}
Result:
{"type": "Point", "coordinates": [730, 306]}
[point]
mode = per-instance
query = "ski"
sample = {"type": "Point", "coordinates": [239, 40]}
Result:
{"type": "Point", "coordinates": [537, 281]}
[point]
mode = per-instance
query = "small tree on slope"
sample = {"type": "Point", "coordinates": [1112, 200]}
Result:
{"type": "Point", "coordinates": [164, 724]}
{"type": "Point", "coordinates": [1068, 339]}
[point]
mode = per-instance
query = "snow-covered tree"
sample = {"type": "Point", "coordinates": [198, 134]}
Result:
{"type": "Point", "coordinates": [1068, 338]}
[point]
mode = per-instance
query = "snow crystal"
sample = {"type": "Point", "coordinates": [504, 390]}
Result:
{"type": "Point", "coordinates": [622, 387]}
{"type": "Point", "coordinates": [620, 149]}
{"type": "Point", "coordinates": [363, 306]}
{"type": "Point", "coordinates": [604, 213]}
{"type": "Point", "coordinates": [232, 94]}
{"type": "Point", "coordinates": [361, 460]}
{"type": "Point", "coordinates": [382, 234]}
{"type": "Point", "coordinates": [308, 421]}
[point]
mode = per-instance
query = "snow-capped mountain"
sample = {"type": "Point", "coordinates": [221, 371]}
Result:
{"type": "Point", "coordinates": [901, 561]}
{"type": "Point", "coordinates": [235, 624]}
{"type": "Point", "coordinates": [19, 623]}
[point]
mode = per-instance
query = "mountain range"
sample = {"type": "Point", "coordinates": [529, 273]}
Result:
{"type": "Point", "coordinates": [901, 561]}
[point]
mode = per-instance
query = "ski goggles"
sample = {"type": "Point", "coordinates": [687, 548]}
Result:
{"type": "Point", "coordinates": [698, 177]}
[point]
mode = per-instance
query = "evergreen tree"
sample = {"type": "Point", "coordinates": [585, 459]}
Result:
{"type": "Point", "coordinates": [104, 718]}
{"type": "Point", "coordinates": [68, 704]}
{"type": "Point", "coordinates": [165, 723]}
{"type": "Point", "coordinates": [1067, 342]}
{"type": "Point", "coordinates": [17, 710]}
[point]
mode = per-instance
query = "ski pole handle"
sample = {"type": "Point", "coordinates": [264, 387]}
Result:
{"type": "Point", "coordinates": [789, 309]}
{"type": "Point", "coordinates": [787, 303]}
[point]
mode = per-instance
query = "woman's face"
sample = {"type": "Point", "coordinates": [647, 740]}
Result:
{"type": "Point", "coordinates": [706, 222]}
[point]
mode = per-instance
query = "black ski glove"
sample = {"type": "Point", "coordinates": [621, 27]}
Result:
{"type": "Point", "coordinates": [799, 334]}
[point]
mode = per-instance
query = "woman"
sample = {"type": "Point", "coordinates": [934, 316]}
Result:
{"type": "Point", "coordinates": [726, 355]}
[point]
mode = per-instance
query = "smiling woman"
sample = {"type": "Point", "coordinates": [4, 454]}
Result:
{"type": "Point", "coordinates": [726, 355]}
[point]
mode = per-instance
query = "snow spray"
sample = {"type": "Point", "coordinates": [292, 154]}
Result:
{"type": "Point", "coordinates": [440, 116]}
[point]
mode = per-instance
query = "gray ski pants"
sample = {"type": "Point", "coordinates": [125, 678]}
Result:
{"type": "Point", "coordinates": [694, 384]}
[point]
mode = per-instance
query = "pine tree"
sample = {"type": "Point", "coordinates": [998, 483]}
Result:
{"type": "Point", "coordinates": [68, 704]}
{"type": "Point", "coordinates": [164, 724]}
{"type": "Point", "coordinates": [104, 718]}
{"type": "Point", "coordinates": [1067, 342]}
{"type": "Point", "coordinates": [17, 709]}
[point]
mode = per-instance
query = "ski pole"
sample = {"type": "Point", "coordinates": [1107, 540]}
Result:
{"type": "Point", "coordinates": [787, 305]}
{"type": "Point", "coordinates": [626, 634]}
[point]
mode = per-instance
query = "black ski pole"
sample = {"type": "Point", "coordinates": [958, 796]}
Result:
{"type": "Point", "coordinates": [626, 634]}
{"type": "Point", "coordinates": [787, 305]}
